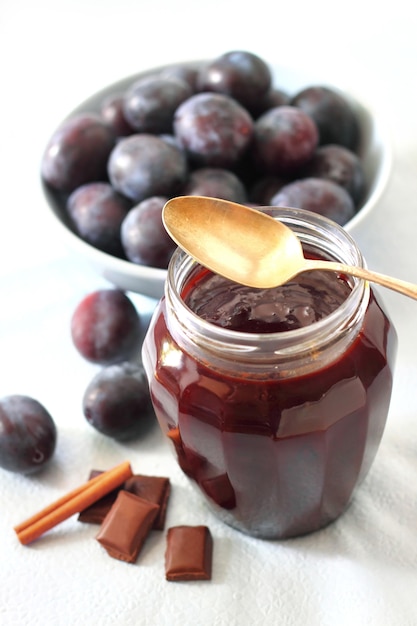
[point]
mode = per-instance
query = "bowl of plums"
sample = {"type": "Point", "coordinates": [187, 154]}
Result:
{"type": "Point", "coordinates": [235, 127]}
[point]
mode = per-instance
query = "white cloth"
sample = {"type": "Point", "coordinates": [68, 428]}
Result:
{"type": "Point", "coordinates": [362, 570]}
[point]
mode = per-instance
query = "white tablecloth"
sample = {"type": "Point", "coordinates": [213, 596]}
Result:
{"type": "Point", "coordinates": [362, 570]}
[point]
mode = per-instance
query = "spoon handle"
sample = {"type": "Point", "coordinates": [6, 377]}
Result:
{"type": "Point", "coordinates": [402, 286]}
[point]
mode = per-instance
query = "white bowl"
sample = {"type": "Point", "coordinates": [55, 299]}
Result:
{"type": "Point", "coordinates": [375, 153]}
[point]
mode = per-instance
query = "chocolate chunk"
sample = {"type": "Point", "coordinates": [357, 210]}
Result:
{"type": "Point", "coordinates": [126, 526]}
{"type": "Point", "coordinates": [188, 553]}
{"type": "Point", "coordinates": [155, 489]}
{"type": "Point", "coordinates": [96, 512]}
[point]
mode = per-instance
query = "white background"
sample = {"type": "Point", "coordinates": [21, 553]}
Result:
{"type": "Point", "coordinates": [362, 569]}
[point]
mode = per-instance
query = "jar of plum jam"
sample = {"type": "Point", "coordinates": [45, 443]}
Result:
{"type": "Point", "coordinates": [274, 400]}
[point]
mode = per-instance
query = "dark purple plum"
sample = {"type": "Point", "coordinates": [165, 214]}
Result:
{"type": "Point", "coordinates": [145, 165]}
{"type": "Point", "coordinates": [333, 114]}
{"type": "Point", "coordinates": [215, 182]}
{"type": "Point", "coordinates": [77, 152]}
{"type": "Point", "coordinates": [113, 115]}
{"type": "Point", "coordinates": [97, 212]}
{"type": "Point", "coordinates": [150, 103]}
{"type": "Point", "coordinates": [106, 327]}
{"type": "Point", "coordinates": [27, 434]}
{"type": "Point", "coordinates": [144, 238]}
{"type": "Point", "coordinates": [117, 401]}
{"type": "Point", "coordinates": [214, 129]}
{"type": "Point", "coordinates": [340, 165]}
{"type": "Point", "coordinates": [317, 195]}
{"type": "Point", "coordinates": [285, 139]}
{"type": "Point", "coordinates": [239, 74]}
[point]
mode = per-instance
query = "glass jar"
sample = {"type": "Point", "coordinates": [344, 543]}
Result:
{"type": "Point", "coordinates": [277, 429]}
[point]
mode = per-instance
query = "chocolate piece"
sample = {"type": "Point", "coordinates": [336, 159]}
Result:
{"type": "Point", "coordinates": [96, 512]}
{"type": "Point", "coordinates": [126, 526]}
{"type": "Point", "coordinates": [188, 554]}
{"type": "Point", "coordinates": [155, 489]}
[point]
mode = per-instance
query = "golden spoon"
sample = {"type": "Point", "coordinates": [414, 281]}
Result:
{"type": "Point", "coordinates": [250, 247]}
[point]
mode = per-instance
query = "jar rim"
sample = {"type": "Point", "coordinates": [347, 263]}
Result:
{"type": "Point", "coordinates": [313, 229]}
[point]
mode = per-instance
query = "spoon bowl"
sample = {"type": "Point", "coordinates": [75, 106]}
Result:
{"type": "Point", "coordinates": [250, 247]}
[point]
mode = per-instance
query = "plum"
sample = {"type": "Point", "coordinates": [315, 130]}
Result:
{"type": "Point", "coordinates": [28, 434]}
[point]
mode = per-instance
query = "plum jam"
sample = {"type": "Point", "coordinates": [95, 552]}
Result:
{"type": "Point", "coordinates": [275, 400]}
{"type": "Point", "coordinates": [300, 302]}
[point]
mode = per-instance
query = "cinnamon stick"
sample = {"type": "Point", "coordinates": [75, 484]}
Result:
{"type": "Point", "coordinates": [73, 502]}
